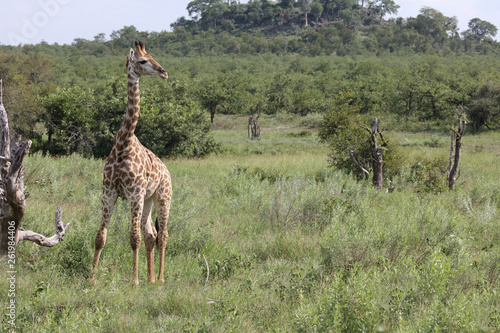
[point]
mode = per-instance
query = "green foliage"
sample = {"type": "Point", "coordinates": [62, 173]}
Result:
{"type": "Point", "coordinates": [70, 121]}
{"type": "Point", "coordinates": [479, 34]}
{"type": "Point", "coordinates": [86, 120]}
{"type": "Point", "coordinates": [341, 130]}
{"type": "Point", "coordinates": [484, 109]}
{"type": "Point", "coordinates": [427, 174]}
{"type": "Point", "coordinates": [172, 124]}
{"type": "Point", "coordinates": [25, 77]}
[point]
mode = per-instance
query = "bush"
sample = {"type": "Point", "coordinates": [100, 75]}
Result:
{"type": "Point", "coordinates": [426, 174]}
{"type": "Point", "coordinates": [341, 129]}
{"type": "Point", "coordinates": [312, 120]}
{"type": "Point", "coordinates": [86, 120]}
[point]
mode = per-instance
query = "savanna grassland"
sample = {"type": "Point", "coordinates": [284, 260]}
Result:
{"type": "Point", "coordinates": [290, 244]}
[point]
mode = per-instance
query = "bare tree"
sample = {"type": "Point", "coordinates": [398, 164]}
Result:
{"type": "Point", "coordinates": [377, 154]}
{"type": "Point", "coordinates": [12, 196]}
{"type": "Point", "coordinates": [253, 127]}
{"type": "Point", "coordinates": [455, 149]}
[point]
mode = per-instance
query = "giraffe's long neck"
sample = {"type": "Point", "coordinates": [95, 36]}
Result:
{"type": "Point", "coordinates": [126, 131]}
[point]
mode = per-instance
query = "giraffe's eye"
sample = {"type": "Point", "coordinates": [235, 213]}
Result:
{"type": "Point", "coordinates": [142, 62]}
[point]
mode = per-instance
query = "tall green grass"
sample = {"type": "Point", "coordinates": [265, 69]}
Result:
{"type": "Point", "coordinates": [290, 245]}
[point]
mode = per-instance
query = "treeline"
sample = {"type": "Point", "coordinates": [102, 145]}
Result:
{"type": "Point", "coordinates": [68, 104]}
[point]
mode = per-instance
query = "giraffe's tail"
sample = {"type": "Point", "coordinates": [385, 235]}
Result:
{"type": "Point", "coordinates": [156, 227]}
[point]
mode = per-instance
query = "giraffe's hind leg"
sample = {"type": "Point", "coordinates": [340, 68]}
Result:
{"type": "Point", "coordinates": [162, 203]}
{"type": "Point", "coordinates": [149, 233]}
{"type": "Point", "coordinates": [108, 201]}
{"type": "Point", "coordinates": [136, 208]}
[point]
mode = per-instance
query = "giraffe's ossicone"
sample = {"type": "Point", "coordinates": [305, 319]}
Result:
{"type": "Point", "coordinates": [132, 172]}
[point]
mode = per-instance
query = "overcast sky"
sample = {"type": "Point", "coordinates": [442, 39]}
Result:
{"type": "Point", "coordinates": [61, 21]}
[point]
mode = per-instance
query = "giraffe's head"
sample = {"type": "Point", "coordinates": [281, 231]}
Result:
{"type": "Point", "coordinates": [140, 63]}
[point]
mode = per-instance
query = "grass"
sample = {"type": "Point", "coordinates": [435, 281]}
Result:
{"type": "Point", "coordinates": [291, 245]}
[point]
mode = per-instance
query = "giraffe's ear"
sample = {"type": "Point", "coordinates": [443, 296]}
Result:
{"type": "Point", "coordinates": [131, 55]}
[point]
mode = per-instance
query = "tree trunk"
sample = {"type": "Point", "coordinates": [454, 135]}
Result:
{"type": "Point", "coordinates": [250, 129]}
{"type": "Point", "coordinates": [212, 114]}
{"type": "Point", "coordinates": [253, 127]}
{"type": "Point", "coordinates": [12, 196]}
{"type": "Point", "coordinates": [377, 153]}
{"type": "Point", "coordinates": [377, 156]}
{"type": "Point", "coordinates": [454, 164]}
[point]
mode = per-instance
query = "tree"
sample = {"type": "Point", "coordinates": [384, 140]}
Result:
{"type": "Point", "coordinates": [306, 7]}
{"type": "Point", "coordinates": [384, 7]}
{"type": "Point", "coordinates": [424, 90]}
{"type": "Point", "coordinates": [456, 147]}
{"type": "Point", "coordinates": [253, 127]}
{"type": "Point", "coordinates": [351, 149]}
{"type": "Point", "coordinates": [434, 25]}
{"type": "Point", "coordinates": [377, 153]}
{"type": "Point", "coordinates": [316, 10]}
{"type": "Point", "coordinates": [479, 31]}
{"type": "Point", "coordinates": [172, 124]}
{"type": "Point", "coordinates": [29, 77]}
{"type": "Point", "coordinates": [287, 4]}
{"type": "Point", "coordinates": [482, 28]}
{"type": "Point", "coordinates": [340, 130]}
{"type": "Point", "coordinates": [12, 196]}
{"type": "Point", "coordinates": [484, 109]}
{"type": "Point", "coordinates": [126, 36]}
{"type": "Point", "coordinates": [71, 121]}
{"type": "Point", "coordinates": [209, 11]}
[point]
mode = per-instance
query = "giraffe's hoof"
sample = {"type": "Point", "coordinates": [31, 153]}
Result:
{"type": "Point", "coordinates": [92, 281]}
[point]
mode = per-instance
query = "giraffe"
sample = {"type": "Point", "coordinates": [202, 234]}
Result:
{"type": "Point", "coordinates": [134, 173]}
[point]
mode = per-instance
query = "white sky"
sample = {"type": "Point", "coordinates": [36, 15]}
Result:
{"type": "Point", "coordinates": [61, 21]}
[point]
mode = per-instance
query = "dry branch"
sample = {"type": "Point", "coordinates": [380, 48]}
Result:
{"type": "Point", "coordinates": [365, 172]}
{"type": "Point", "coordinates": [42, 240]}
{"type": "Point", "coordinates": [12, 197]}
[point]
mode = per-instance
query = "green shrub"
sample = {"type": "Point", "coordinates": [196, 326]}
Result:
{"type": "Point", "coordinates": [427, 174]}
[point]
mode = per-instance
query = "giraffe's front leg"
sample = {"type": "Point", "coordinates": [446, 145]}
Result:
{"type": "Point", "coordinates": [108, 201]}
{"type": "Point", "coordinates": [136, 206]}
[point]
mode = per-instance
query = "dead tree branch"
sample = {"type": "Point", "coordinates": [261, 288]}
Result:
{"type": "Point", "coordinates": [41, 240]}
{"type": "Point", "coordinates": [363, 170]}
{"type": "Point", "coordinates": [12, 197]}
